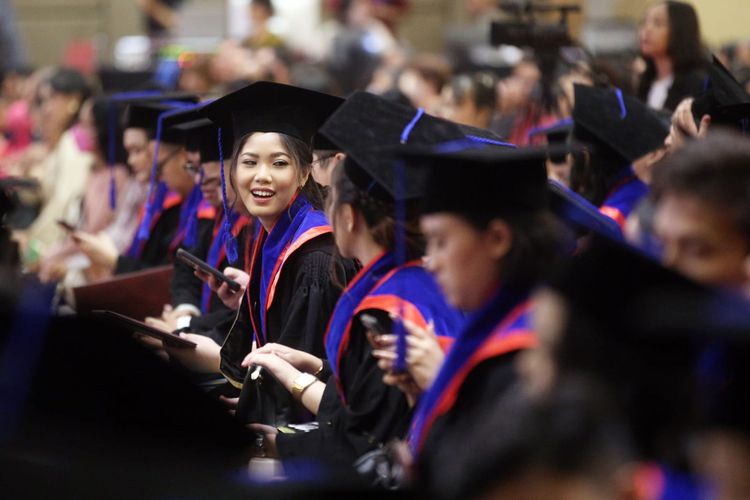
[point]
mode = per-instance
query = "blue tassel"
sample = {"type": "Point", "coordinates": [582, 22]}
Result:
{"type": "Point", "coordinates": [193, 205]}
{"type": "Point", "coordinates": [227, 238]}
{"type": "Point", "coordinates": [111, 147]}
{"type": "Point", "coordinates": [621, 101]}
{"type": "Point", "coordinates": [410, 126]}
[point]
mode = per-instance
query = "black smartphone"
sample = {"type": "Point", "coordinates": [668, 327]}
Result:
{"type": "Point", "coordinates": [198, 264]}
{"type": "Point", "coordinates": [68, 227]}
{"type": "Point", "coordinates": [372, 324]}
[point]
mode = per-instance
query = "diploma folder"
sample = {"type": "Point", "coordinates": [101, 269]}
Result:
{"type": "Point", "coordinates": [137, 295]}
{"type": "Point", "coordinates": [142, 328]}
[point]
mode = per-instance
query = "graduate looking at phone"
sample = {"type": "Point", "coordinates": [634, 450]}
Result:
{"type": "Point", "coordinates": [488, 246]}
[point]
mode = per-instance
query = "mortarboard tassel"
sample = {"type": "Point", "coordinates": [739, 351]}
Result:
{"type": "Point", "coordinates": [193, 205]}
{"type": "Point", "coordinates": [399, 366]}
{"type": "Point", "coordinates": [111, 145]}
{"type": "Point", "coordinates": [621, 101]}
{"type": "Point", "coordinates": [226, 237]}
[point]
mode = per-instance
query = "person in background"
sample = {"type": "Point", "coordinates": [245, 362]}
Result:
{"type": "Point", "coordinates": [470, 99]}
{"type": "Point", "coordinates": [64, 172]}
{"type": "Point", "coordinates": [260, 13]}
{"type": "Point", "coordinates": [670, 44]}
{"type": "Point", "coordinates": [617, 130]}
{"type": "Point", "coordinates": [422, 80]}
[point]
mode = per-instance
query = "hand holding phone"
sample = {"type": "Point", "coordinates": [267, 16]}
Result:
{"type": "Point", "coordinates": [200, 265]}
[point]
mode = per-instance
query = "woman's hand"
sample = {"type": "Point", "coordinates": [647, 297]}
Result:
{"type": "Point", "coordinates": [230, 299]}
{"type": "Point", "coordinates": [284, 372]}
{"type": "Point", "coordinates": [269, 439]}
{"type": "Point", "coordinates": [99, 248]}
{"type": "Point", "coordinates": [424, 356]}
{"type": "Point", "coordinates": [205, 358]}
{"type": "Point", "coordinates": [683, 124]}
{"type": "Point", "coordinates": [301, 360]}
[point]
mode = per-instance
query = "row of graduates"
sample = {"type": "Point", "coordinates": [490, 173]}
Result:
{"type": "Point", "coordinates": [490, 224]}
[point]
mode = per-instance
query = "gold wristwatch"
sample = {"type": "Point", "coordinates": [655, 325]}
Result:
{"type": "Point", "coordinates": [302, 382]}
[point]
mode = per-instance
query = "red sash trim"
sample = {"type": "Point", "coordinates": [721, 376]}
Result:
{"type": "Point", "coordinates": [494, 346]}
{"type": "Point", "coordinates": [614, 214]}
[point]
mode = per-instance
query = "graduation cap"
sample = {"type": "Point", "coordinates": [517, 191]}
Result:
{"type": "Point", "coordinates": [616, 122]}
{"type": "Point", "coordinates": [641, 330]}
{"type": "Point", "coordinates": [145, 115]}
{"type": "Point", "coordinates": [273, 107]}
{"type": "Point", "coordinates": [579, 214]}
{"type": "Point", "coordinates": [485, 181]}
{"type": "Point", "coordinates": [557, 133]}
{"type": "Point", "coordinates": [725, 99]}
{"type": "Point", "coordinates": [369, 128]}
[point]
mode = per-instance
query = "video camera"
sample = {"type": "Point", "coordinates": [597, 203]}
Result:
{"type": "Point", "coordinates": [525, 30]}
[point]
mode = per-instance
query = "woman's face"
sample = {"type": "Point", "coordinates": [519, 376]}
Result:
{"type": "Point", "coordinates": [267, 177]}
{"type": "Point", "coordinates": [464, 260]}
{"type": "Point", "coordinates": [135, 141]}
{"type": "Point", "coordinates": [57, 110]}
{"type": "Point", "coordinates": [171, 165]}
{"type": "Point", "coordinates": [654, 31]}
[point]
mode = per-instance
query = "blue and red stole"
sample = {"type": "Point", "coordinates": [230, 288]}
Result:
{"type": "Point", "coordinates": [624, 196]}
{"type": "Point", "coordinates": [171, 199]}
{"type": "Point", "coordinates": [297, 225]}
{"type": "Point", "coordinates": [501, 326]}
{"type": "Point", "coordinates": [217, 252]}
{"type": "Point", "coordinates": [195, 208]}
{"type": "Point", "coordinates": [408, 291]}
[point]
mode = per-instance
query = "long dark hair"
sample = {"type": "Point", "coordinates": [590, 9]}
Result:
{"type": "Point", "coordinates": [72, 83]}
{"type": "Point", "coordinates": [537, 249]}
{"type": "Point", "coordinates": [593, 174]}
{"type": "Point", "coordinates": [379, 215]}
{"type": "Point", "coordinates": [302, 156]}
{"type": "Point", "coordinates": [684, 46]}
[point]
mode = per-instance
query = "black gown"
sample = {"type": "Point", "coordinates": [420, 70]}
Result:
{"type": "Point", "coordinates": [373, 414]}
{"type": "Point", "coordinates": [305, 297]}
{"type": "Point", "coordinates": [156, 250]}
{"type": "Point", "coordinates": [186, 287]}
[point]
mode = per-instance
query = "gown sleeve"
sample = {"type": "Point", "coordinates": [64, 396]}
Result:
{"type": "Point", "coordinates": [186, 287]}
{"type": "Point", "coordinates": [372, 415]}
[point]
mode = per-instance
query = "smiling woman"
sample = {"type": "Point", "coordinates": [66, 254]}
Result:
{"type": "Point", "coordinates": [290, 294]}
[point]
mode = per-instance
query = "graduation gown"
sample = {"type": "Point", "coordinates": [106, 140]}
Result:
{"type": "Point", "coordinates": [216, 318]}
{"type": "Point", "coordinates": [186, 287]}
{"type": "Point", "coordinates": [358, 412]}
{"type": "Point", "coordinates": [624, 196]}
{"type": "Point", "coordinates": [476, 372]}
{"type": "Point", "coordinates": [291, 293]}
{"type": "Point", "coordinates": [155, 251]}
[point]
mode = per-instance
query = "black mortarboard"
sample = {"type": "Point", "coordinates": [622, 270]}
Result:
{"type": "Point", "coordinates": [725, 99]}
{"type": "Point", "coordinates": [579, 214]}
{"type": "Point", "coordinates": [484, 181]}
{"type": "Point", "coordinates": [557, 133]}
{"type": "Point", "coordinates": [368, 127]}
{"type": "Point", "coordinates": [273, 107]}
{"type": "Point", "coordinates": [145, 115]}
{"type": "Point", "coordinates": [199, 133]}
{"type": "Point", "coordinates": [616, 122]}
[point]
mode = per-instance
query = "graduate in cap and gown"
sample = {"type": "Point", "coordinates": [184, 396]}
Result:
{"type": "Point", "coordinates": [490, 239]}
{"type": "Point", "coordinates": [139, 123]}
{"type": "Point", "coordinates": [294, 277]}
{"type": "Point", "coordinates": [372, 198]}
{"type": "Point", "coordinates": [617, 130]}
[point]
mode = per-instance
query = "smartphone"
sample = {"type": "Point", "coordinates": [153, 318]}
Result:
{"type": "Point", "coordinates": [68, 227]}
{"type": "Point", "coordinates": [198, 264]}
{"type": "Point", "coordinates": [372, 324]}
